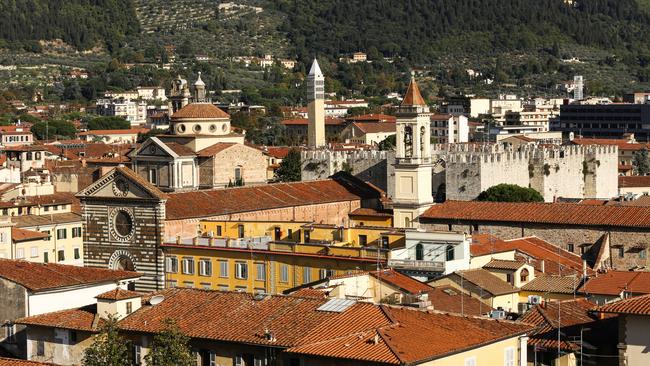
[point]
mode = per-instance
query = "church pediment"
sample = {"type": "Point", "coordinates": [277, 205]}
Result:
{"type": "Point", "coordinates": [153, 147]}
{"type": "Point", "coordinates": [122, 183]}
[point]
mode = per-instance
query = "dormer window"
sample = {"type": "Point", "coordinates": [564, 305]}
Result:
{"type": "Point", "coordinates": [523, 275]}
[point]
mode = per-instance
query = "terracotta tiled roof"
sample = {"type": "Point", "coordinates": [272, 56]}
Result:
{"type": "Point", "coordinates": [504, 264]}
{"type": "Point", "coordinates": [239, 317]}
{"type": "Point", "coordinates": [451, 300]}
{"type": "Point", "coordinates": [413, 96]}
{"type": "Point", "coordinates": [19, 235]}
{"type": "Point", "coordinates": [370, 212]}
{"type": "Point", "coordinates": [623, 144]}
{"type": "Point", "coordinates": [40, 220]}
{"type": "Point", "coordinates": [15, 362]}
{"type": "Point", "coordinates": [535, 250]}
{"type": "Point", "coordinates": [310, 292]}
{"type": "Point", "coordinates": [639, 305]}
{"type": "Point", "coordinates": [554, 284]}
{"type": "Point", "coordinates": [278, 152]}
{"type": "Point", "coordinates": [573, 315]}
{"type": "Point", "coordinates": [441, 117]}
{"type": "Point", "coordinates": [199, 111]}
{"type": "Point", "coordinates": [540, 213]}
{"type": "Point", "coordinates": [84, 319]}
{"type": "Point", "coordinates": [487, 281]}
{"type": "Point", "coordinates": [375, 127]}
{"type": "Point", "coordinates": [613, 283]}
{"type": "Point", "coordinates": [374, 117]}
{"type": "Point", "coordinates": [402, 282]}
{"type": "Point", "coordinates": [179, 149]}
{"type": "Point", "coordinates": [44, 276]}
{"type": "Point", "coordinates": [634, 181]}
{"type": "Point", "coordinates": [215, 149]}
{"type": "Point", "coordinates": [118, 294]}
{"type": "Point", "coordinates": [205, 203]}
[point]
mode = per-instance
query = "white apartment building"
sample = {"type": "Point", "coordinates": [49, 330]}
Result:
{"type": "Point", "coordinates": [447, 128]}
{"type": "Point", "coordinates": [132, 110]}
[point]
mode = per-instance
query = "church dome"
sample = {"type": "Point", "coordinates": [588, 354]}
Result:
{"type": "Point", "coordinates": [199, 111]}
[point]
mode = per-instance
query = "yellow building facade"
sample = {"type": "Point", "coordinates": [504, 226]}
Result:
{"type": "Point", "coordinates": [261, 267]}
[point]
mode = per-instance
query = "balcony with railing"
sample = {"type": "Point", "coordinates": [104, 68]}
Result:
{"type": "Point", "coordinates": [267, 244]}
{"type": "Point", "coordinates": [417, 265]}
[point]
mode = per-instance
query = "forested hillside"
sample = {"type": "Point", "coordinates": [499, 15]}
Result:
{"type": "Point", "coordinates": [80, 23]}
{"type": "Point", "coordinates": [418, 29]}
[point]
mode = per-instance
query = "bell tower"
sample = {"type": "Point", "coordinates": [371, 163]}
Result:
{"type": "Point", "coordinates": [413, 166]}
{"type": "Point", "coordinates": [316, 107]}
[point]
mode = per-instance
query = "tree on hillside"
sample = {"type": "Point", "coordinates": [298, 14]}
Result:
{"type": "Point", "coordinates": [108, 123]}
{"type": "Point", "coordinates": [142, 137]}
{"type": "Point", "coordinates": [510, 193]}
{"type": "Point", "coordinates": [640, 162]}
{"type": "Point", "coordinates": [388, 143]}
{"type": "Point", "coordinates": [48, 130]}
{"type": "Point", "coordinates": [170, 347]}
{"type": "Point", "coordinates": [290, 169]}
{"type": "Point", "coordinates": [108, 347]}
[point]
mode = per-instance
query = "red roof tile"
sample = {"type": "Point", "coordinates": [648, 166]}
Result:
{"type": "Point", "coordinates": [504, 264]}
{"type": "Point", "coordinates": [19, 235]}
{"type": "Point", "coordinates": [573, 315]}
{"type": "Point", "coordinates": [639, 305]}
{"type": "Point", "coordinates": [402, 282]}
{"type": "Point", "coordinates": [375, 127]}
{"type": "Point", "coordinates": [199, 111]}
{"type": "Point", "coordinates": [118, 294]}
{"type": "Point", "coordinates": [373, 117]}
{"type": "Point", "coordinates": [213, 150]}
{"type": "Point", "coordinates": [540, 213]}
{"type": "Point", "coordinates": [85, 319]}
{"type": "Point", "coordinates": [451, 300]}
{"type": "Point", "coordinates": [204, 203]}
{"type": "Point", "coordinates": [613, 283]}
{"type": "Point", "coordinates": [413, 96]}
{"type": "Point", "coordinates": [623, 144]}
{"type": "Point", "coordinates": [553, 284]}
{"type": "Point", "coordinates": [486, 280]}
{"type": "Point", "coordinates": [634, 181]}
{"type": "Point", "coordinates": [44, 276]}
{"type": "Point", "coordinates": [370, 212]}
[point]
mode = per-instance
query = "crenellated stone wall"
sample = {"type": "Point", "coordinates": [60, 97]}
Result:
{"type": "Point", "coordinates": [554, 171]}
{"type": "Point", "coordinates": [368, 165]}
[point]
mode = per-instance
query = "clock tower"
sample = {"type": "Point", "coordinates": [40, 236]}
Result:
{"type": "Point", "coordinates": [413, 167]}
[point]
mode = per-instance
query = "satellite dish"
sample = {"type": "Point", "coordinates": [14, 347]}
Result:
{"type": "Point", "coordinates": [157, 299]}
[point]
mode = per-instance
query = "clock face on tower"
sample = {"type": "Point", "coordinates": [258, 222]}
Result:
{"type": "Point", "coordinates": [121, 224]}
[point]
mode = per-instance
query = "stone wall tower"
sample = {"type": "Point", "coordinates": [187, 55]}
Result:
{"type": "Point", "coordinates": [316, 106]}
{"type": "Point", "coordinates": [413, 164]}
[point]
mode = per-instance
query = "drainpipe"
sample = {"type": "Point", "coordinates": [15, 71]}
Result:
{"type": "Point", "coordinates": [523, 350]}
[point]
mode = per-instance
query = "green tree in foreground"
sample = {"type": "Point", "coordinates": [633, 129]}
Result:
{"type": "Point", "coordinates": [170, 347]}
{"type": "Point", "coordinates": [108, 347]}
{"type": "Point", "coordinates": [108, 123]}
{"type": "Point", "coordinates": [641, 163]}
{"type": "Point", "coordinates": [290, 170]}
{"type": "Point", "coordinates": [510, 193]}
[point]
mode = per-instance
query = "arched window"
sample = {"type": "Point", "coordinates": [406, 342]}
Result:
{"type": "Point", "coordinates": [449, 253]}
{"type": "Point", "coordinates": [422, 136]}
{"type": "Point", "coordinates": [419, 252]}
{"type": "Point", "coordinates": [523, 275]}
{"type": "Point", "coordinates": [408, 141]}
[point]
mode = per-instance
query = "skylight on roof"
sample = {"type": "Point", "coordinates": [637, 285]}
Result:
{"type": "Point", "coordinates": [337, 305]}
